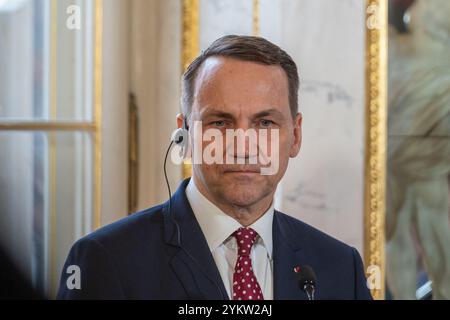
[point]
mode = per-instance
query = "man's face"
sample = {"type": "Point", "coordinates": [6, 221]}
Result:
{"type": "Point", "coordinates": [234, 94]}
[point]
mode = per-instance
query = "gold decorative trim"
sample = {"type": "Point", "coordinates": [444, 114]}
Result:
{"type": "Point", "coordinates": [98, 91]}
{"type": "Point", "coordinates": [190, 33]}
{"type": "Point", "coordinates": [133, 155]}
{"type": "Point", "coordinates": [375, 140]}
{"type": "Point", "coordinates": [256, 20]}
{"type": "Point", "coordinates": [190, 48]}
{"type": "Point", "coordinates": [47, 126]}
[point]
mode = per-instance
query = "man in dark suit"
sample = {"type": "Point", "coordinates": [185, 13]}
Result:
{"type": "Point", "coordinates": [219, 236]}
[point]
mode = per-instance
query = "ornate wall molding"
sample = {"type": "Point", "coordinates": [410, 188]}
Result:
{"type": "Point", "coordinates": [190, 48]}
{"type": "Point", "coordinates": [191, 36]}
{"type": "Point", "coordinates": [98, 111]}
{"type": "Point", "coordinates": [133, 154]}
{"type": "Point", "coordinates": [256, 26]}
{"type": "Point", "coordinates": [375, 143]}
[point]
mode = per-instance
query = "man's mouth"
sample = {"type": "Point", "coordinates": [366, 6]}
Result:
{"type": "Point", "coordinates": [243, 170]}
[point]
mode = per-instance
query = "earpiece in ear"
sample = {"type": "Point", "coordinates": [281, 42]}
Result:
{"type": "Point", "coordinates": [181, 138]}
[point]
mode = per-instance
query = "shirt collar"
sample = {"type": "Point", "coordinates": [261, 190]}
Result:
{"type": "Point", "coordinates": [217, 226]}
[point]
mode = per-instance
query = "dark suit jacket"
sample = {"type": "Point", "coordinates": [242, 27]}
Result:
{"type": "Point", "coordinates": [138, 257]}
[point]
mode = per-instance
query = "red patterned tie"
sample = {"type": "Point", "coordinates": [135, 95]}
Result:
{"type": "Point", "coordinates": [245, 285]}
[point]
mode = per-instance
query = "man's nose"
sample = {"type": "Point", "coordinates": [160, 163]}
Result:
{"type": "Point", "coordinates": [244, 142]}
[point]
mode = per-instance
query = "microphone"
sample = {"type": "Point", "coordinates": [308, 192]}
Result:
{"type": "Point", "coordinates": [306, 280]}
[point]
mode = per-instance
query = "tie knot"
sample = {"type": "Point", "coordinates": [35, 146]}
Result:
{"type": "Point", "coordinates": [245, 238]}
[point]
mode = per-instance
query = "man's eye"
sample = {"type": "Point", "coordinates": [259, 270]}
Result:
{"type": "Point", "coordinates": [266, 123]}
{"type": "Point", "coordinates": [219, 123]}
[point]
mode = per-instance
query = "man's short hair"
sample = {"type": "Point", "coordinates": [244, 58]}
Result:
{"type": "Point", "coordinates": [246, 48]}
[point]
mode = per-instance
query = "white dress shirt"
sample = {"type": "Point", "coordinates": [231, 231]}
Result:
{"type": "Point", "coordinates": [218, 228]}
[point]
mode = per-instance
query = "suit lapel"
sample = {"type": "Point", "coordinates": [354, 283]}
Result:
{"type": "Point", "coordinates": [194, 265]}
{"type": "Point", "coordinates": [287, 254]}
{"type": "Point", "coordinates": [193, 262]}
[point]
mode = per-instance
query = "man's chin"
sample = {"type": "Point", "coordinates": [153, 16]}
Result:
{"type": "Point", "coordinates": [242, 196]}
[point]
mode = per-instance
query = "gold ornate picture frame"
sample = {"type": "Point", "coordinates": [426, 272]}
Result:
{"type": "Point", "coordinates": [375, 140]}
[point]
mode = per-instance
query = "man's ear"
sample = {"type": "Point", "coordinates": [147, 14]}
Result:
{"type": "Point", "coordinates": [180, 119]}
{"type": "Point", "coordinates": [297, 143]}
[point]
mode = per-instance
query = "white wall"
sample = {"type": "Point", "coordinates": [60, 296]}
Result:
{"type": "Point", "coordinates": [324, 184]}
{"type": "Point", "coordinates": [155, 80]}
{"type": "Point", "coordinates": [116, 77]}
{"type": "Point", "coordinates": [222, 17]}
